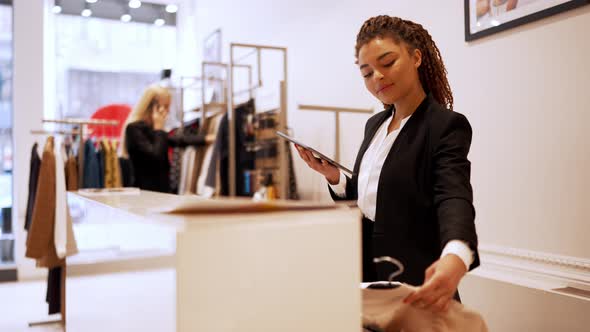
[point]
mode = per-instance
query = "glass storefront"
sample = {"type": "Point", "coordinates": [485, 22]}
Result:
{"type": "Point", "coordinates": [6, 143]}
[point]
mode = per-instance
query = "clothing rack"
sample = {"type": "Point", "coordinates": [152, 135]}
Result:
{"type": "Point", "coordinates": [80, 132]}
{"type": "Point", "coordinates": [81, 123]}
{"type": "Point", "coordinates": [282, 114]}
{"type": "Point", "coordinates": [336, 110]}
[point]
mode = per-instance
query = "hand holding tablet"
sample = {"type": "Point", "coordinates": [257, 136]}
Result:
{"type": "Point", "coordinates": [318, 155]}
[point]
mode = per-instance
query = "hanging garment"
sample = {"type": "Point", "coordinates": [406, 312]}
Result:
{"type": "Point", "coordinates": [61, 206]}
{"type": "Point", "coordinates": [383, 310]}
{"type": "Point", "coordinates": [115, 166]}
{"type": "Point", "coordinates": [187, 171]}
{"type": "Point", "coordinates": [33, 179]}
{"type": "Point", "coordinates": [91, 167]}
{"type": "Point", "coordinates": [53, 296]}
{"type": "Point", "coordinates": [71, 174]}
{"type": "Point", "coordinates": [207, 160]}
{"type": "Point", "coordinates": [100, 156]}
{"type": "Point", "coordinates": [126, 172]}
{"type": "Point", "coordinates": [40, 238]}
{"type": "Point", "coordinates": [244, 158]}
{"type": "Point", "coordinates": [109, 176]}
{"type": "Point", "coordinates": [293, 193]}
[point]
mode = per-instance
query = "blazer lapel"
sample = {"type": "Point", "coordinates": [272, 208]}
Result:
{"type": "Point", "coordinates": [369, 137]}
{"type": "Point", "coordinates": [410, 127]}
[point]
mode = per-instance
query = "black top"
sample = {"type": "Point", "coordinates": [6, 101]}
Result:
{"type": "Point", "coordinates": [424, 197]}
{"type": "Point", "coordinates": [148, 152]}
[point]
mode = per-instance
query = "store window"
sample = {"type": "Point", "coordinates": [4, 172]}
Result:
{"type": "Point", "coordinates": [111, 58]}
{"type": "Point", "coordinates": [107, 53]}
{"type": "Point", "coordinates": [7, 265]}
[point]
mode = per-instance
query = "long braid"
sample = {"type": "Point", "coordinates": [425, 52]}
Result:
{"type": "Point", "coordinates": [432, 71]}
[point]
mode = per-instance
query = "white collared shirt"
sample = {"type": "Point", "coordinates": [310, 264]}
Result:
{"type": "Point", "coordinates": [368, 183]}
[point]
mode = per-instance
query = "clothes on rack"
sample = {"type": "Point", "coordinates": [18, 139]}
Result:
{"type": "Point", "coordinates": [244, 158]}
{"type": "Point", "coordinates": [71, 174]}
{"type": "Point", "coordinates": [35, 165]}
{"type": "Point", "coordinates": [148, 152]}
{"type": "Point", "coordinates": [50, 237]}
{"type": "Point", "coordinates": [91, 168]}
{"type": "Point", "coordinates": [127, 175]}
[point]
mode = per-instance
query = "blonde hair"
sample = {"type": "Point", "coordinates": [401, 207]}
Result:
{"type": "Point", "coordinates": [142, 110]}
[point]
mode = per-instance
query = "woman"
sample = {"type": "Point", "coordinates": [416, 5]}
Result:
{"type": "Point", "coordinates": [146, 144]}
{"type": "Point", "coordinates": [411, 176]}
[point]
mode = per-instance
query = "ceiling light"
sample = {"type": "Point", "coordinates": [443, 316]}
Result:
{"type": "Point", "coordinates": [91, 1]}
{"type": "Point", "coordinates": [159, 22]}
{"type": "Point", "coordinates": [86, 12]}
{"type": "Point", "coordinates": [134, 4]}
{"type": "Point", "coordinates": [126, 18]}
{"type": "Point", "coordinates": [171, 8]}
{"type": "Point", "coordinates": [56, 9]}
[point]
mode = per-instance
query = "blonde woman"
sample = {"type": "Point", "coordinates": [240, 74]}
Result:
{"type": "Point", "coordinates": [146, 144]}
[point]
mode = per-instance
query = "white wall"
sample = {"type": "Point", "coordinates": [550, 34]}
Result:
{"type": "Point", "coordinates": [524, 91]}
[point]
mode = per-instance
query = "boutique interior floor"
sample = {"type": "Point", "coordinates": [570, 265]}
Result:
{"type": "Point", "coordinates": [130, 301]}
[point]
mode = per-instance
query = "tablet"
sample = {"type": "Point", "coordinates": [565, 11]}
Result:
{"type": "Point", "coordinates": [316, 153]}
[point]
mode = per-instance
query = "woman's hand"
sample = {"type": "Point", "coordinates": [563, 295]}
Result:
{"type": "Point", "coordinates": [440, 284]}
{"type": "Point", "coordinates": [159, 115]}
{"type": "Point", "coordinates": [328, 170]}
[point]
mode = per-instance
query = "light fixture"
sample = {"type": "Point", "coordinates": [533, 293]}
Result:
{"type": "Point", "coordinates": [91, 1]}
{"type": "Point", "coordinates": [134, 4]}
{"type": "Point", "coordinates": [159, 22]}
{"type": "Point", "coordinates": [171, 8]}
{"type": "Point", "coordinates": [86, 12]}
{"type": "Point", "coordinates": [126, 18]}
{"type": "Point", "coordinates": [56, 9]}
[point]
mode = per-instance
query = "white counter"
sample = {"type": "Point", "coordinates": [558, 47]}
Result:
{"type": "Point", "coordinates": [272, 271]}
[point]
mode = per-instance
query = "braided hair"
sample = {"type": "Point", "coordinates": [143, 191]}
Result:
{"type": "Point", "coordinates": [432, 71]}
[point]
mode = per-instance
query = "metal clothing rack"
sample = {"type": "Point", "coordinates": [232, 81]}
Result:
{"type": "Point", "coordinates": [282, 114]}
{"type": "Point", "coordinates": [80, 133]}
{"type": "Point", "coordinates": [336, 110]}
{"type": "Point", "coordinates": [81, 123]}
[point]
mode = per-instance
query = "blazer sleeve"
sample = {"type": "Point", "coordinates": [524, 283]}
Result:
{"type": "Point", "coordinates": [138, 142]}
{"type": "Point", "coordinates": [351, 190]}
{"type": "Point", "coordinates": [186, 140]}
{"type": "Point", "coordinates": [453, 195]}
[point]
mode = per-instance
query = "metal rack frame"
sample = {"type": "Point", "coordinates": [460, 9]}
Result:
{"type": "Point", "coordinates": [282, 121]}
{"type": "Point", "coordinates": [336, 110]}
{"type": "Point", "coordinates": [80, 132]}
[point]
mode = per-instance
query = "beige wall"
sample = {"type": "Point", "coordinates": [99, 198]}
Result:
{"type": "Point", "coordinates": [524, 91]}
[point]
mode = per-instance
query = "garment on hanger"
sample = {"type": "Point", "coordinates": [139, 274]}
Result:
{"type": "Point", "coordinates": [108, 171]}
{"type": "Point", "coordinates": [293, 192]}
{"type": "Point", "coordinates": [115, 166]}
{"type": "Point", "coordinates": [207, 160]}
{"type": "Point", "coordinates": [53, 295]}
{"type": "Point", "coordinates": [126, 172]}
{"type": "Point", "coordinates": [187, 172]}
{"type": "Point", "coordinates": [244, 158]}
{"type": "Point", "coordinates": [71, 174]}
{"type": "Point", "coordinates": [100, 156]}
{"type": "Point", "coordinates": [91, 168]}
{"type": "Point", "coordinates": [383, 310]}
{"type": "Point", "coordinates": [40, 238]}
{"type": "Point", "coordinates": [33, 179]}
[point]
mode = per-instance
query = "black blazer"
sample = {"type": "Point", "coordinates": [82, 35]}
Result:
{"type": "Point", "coordinates": [148, 153]}
{"type": "Point", "coordinates": [424, 197]}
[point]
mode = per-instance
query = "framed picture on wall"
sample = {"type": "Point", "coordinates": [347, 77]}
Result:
{"type": "Point", "coordinates": [486, 17]}
{"type": "Point", "coordinates": [212, 48]}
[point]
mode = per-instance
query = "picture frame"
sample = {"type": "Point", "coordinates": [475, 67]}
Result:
{"type": "Point", "coordinates": [487, 17]}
